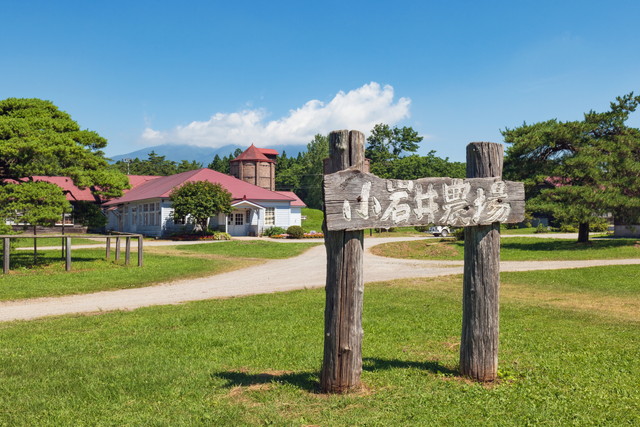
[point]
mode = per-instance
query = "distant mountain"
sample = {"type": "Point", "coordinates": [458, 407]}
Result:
{"type": "Point", "coordinates": [204, 155]}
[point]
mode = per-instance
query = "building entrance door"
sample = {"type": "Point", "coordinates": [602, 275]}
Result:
{"type": "Point", "coordinates": [237, 224]}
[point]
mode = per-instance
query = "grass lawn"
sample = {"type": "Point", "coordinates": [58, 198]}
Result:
{"type": "Point", "coordinates": [250, 248]}
{"type": "Point", "coordinates": [255, 360]}
{"type": "Point", "coordinates": [313, 221]}
{"type": "Point", "coordinates": [91, 273]}
{"type": "Point", "coordinates": [515, 249]}
{"type": "Point", "coordinates": [25, 242]}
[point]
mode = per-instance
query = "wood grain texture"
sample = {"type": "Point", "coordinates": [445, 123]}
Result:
{"type": "Point", "coordinates": [355, 200]}
{"type": "Point", "coordinates": [481, 283]}
{"type": "Point", "coordinates": [342, 361]}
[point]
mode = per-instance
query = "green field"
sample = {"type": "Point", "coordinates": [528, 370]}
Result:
{"type": "Point", "coordinates": [92, 273]}
{"type": "Point", "coordinates": [255, 360]}
{"type": "Point", "coordinates": [515, 249]}
{"type": "Point", "coordinates": [313, 221]}
{"type": "Point", "coordinates": [250, 249]}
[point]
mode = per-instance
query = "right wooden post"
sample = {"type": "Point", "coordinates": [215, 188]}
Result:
{"type": "Point", "coordinates": [481, 283]}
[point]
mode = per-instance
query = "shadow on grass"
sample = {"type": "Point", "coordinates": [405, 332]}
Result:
{"type": "Point", "coordinates": [310, 382]}
{"type": "Point", "coordinates": [374, 364]}
{"type": "Point", "coordinates": [303, 380]}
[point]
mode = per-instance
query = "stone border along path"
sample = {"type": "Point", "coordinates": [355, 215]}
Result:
{"type": "Point", "coordinates": [302, 272]}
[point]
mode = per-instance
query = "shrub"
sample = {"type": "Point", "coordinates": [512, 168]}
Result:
{"type": "Point", "coordinates": [7, 229]}
{"type": "Point", "coordinates": [295, 232]}
{"type": "Point", "coordinates": [221, 235]}
{"type": "Point", "coordinates": [422, 228]}
{"type": "Point", "coordinates": [272, 231]}
{"type": "Point", "coordinates": [568, 228]}
{"type": "Point", "coordinates": [599, 225]}
{"type": "Point", "coordinates": [458, 233]}
{"type": "Point", "coordinates": [541, 229]}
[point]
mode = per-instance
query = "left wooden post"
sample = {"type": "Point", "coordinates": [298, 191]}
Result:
{"type": "Point", "coordinates": [342, 363]}
{"type": "Point", "coordinates": [107, 250]}
{"type": "Point", "coordinates": [127, 251]}
{"type": "Point", "coordinates": [140, 256]}
{"type": "Point", "coordinates": [68, 252]}
{"type": "Point", "coordinates": [6, 254]}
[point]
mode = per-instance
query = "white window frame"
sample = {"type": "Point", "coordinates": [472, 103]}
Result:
{"type": "Point", "coordinates": [269, 216]}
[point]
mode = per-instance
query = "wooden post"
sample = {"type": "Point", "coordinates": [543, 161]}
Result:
{"type": "Point", "coordinates": [117, 248]}
{"type": "Point", "coordinates": [140, 260]}
{"type": "Point", "coordinates": [68, 250]}
{"type": "Point", "coordinates": [480, 299]}
{"type": "Point", "coordinates": [342, 364]}
{"type": "Point", "coordinates": [6, 254]}
{"type": "Point", "coordinates": [127, 251]}
{"type": "Point", "coordinates": [35, 245]}
{"type": "Point", "coordinates": [108, 249]}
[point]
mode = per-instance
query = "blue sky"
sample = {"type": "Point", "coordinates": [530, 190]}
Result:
{"type": "Point", "coordinates": [143, 73]}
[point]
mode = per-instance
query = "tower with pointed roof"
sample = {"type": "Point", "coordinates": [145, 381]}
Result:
{"type": "Point", "coordinates": [256, 166]}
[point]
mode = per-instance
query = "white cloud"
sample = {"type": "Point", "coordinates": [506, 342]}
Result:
{"type": "Point", "coordinates": [358, 109]}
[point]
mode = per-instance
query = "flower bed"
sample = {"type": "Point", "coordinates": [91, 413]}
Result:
{"type": "Point", "coordinates": [305, 236]}
{"type": "Point", "coordinates": [215, 236]}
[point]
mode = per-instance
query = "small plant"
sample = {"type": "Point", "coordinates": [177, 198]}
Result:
{"type": "Point", "coordinates": [295, 232]}
{"type": "Point", "coordinates": [541, 229]}
{"type": "Point", "coordinates": [272, 231]}
{"type": "Point", "coordinates": [458, 233]}
{"type": "Point", "coordinates": [568, 228]}
{"type": "Point", "coordinates": [599, 225]}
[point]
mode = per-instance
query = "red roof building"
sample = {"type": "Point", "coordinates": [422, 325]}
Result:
{"type": "Point", "coordinates": [146, 208]}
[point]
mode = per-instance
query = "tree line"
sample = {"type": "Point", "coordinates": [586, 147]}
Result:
{"type": "Point", "coordinates": [575, 171]}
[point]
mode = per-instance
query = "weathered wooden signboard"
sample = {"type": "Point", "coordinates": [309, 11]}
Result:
{"type": "Point", "coordinates": [356, 200]}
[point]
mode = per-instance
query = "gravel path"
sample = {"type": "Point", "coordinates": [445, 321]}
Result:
{"type": "Point", "coordinates": [304, 271]}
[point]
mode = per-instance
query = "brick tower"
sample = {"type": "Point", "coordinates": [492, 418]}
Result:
{"type": "Point", "coordinates": [256, 166]}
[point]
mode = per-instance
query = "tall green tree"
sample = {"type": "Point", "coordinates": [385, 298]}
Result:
{"type": "Point", "coordinates": [386, 144]}
{"type": "Point", "coordinates": [579, 170]}
{"type": "Point", "coordinates": [36, 138]}
{"type": "Point", "coordinates": [36, 203]}
{"type": "Point", "coordinates": [200, 200]}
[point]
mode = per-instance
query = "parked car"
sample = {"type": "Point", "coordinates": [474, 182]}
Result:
{"type": "Point", "coordinates": [440, 230]}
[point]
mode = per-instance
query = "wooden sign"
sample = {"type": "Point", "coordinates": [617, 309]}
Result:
{"type": "Point", "coordinates": [356, 200]}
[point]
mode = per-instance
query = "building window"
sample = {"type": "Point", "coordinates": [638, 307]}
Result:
{"type": "Point", "coordinates": [270, 216]}
{"type": "Point", "coordinates": [239, 219]}
{"type": "Point", "coordinates": [151, 214]}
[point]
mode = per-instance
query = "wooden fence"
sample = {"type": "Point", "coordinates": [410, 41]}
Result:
{"type": "Point", "coordinates": [66, 246]}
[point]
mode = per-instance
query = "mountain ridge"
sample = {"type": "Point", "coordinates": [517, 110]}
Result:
{"type": "Point", "coordinates": [204, 155]}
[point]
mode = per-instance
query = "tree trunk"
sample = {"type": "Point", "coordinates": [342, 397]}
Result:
{"type": "Point", "coordinates": [342, 363]}
{"type": "Point", "coordinates": [583, 232]}
{"type": "Point", "coordinates": [481, 283]}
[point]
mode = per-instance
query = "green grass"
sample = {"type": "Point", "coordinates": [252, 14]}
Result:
{"type": "Point", "coordinates": [594, 281]}
{"type": "Point", "coordinates": [92, 273]}
{"type": "Point", "coordinates": [313, 221]}
{"type": "Point", "coordinates": [251, 249]}
{"type": "Point", "coordinates": [25, 242]}
{"type": "Point", "coordinates": [516, 249]}
{"type": "Point", "coordinates": [255, 361]}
